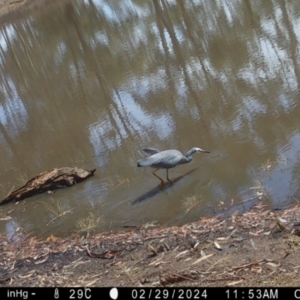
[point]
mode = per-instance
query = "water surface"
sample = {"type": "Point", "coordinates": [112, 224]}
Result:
{"type": "Point", "coordinates": [91, 83]}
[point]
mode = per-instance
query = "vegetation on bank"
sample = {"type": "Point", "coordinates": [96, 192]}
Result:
{"type": "Point", "coordinates": [257, 248]}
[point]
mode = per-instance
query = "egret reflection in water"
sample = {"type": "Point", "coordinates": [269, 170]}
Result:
{"type": "Point", "coordinates": [153, 192]}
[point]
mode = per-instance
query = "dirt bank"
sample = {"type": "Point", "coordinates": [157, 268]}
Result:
{"type": "Point", "coordinates": [259, 248]}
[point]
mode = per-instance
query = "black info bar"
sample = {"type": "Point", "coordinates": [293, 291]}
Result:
{"type": "Point", "coordinates": [226, 293]}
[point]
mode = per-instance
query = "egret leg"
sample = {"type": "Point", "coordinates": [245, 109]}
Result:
{"type": "Point", "coordinates": [168, 177]}
{"type": "Point", "coordinates": [161, 186]}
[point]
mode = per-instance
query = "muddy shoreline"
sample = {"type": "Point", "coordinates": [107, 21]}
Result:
{"type": "Point", "coordinates": [258, 248]}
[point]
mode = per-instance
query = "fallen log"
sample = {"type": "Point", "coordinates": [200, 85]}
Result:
{"type": "Point", "coordinates": [47, 181]}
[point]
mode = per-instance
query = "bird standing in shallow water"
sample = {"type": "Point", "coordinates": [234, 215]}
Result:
{"type": "Point", "coordinates": [166, 160]}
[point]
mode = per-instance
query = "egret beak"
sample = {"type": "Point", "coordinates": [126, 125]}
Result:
{"type": "Point", "coordinates": [203, 151]}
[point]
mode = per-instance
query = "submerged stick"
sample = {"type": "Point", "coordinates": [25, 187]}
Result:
{"type": "Point", "coordinates": [47, 181]}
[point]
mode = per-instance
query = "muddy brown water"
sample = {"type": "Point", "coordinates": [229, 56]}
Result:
{"type": "Point", "coordinates": [91, 83]}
